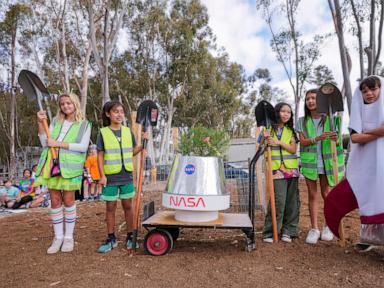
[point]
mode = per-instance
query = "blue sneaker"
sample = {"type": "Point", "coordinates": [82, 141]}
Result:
{"type": "Point", "coordinates": [130, 244]}
{"type": "Point", "coordinates": [107, 246]}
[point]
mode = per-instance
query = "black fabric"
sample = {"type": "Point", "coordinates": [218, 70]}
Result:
{"type": "Point", "coordinates": [22, 201]}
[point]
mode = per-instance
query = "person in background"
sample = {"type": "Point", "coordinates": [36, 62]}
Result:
{"type": "Point", "coordinates": [92, 188]}
{"type": "Point", "coordinates": [26, 190]}
{"type": "Point", "coordinates": [8, 194]}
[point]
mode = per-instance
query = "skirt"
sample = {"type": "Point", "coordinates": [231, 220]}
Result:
{"type": "Point", "coordinates": [57, 182]}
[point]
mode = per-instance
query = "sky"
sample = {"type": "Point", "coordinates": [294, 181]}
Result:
{"type": "Point", "coordinates": [240, 28]}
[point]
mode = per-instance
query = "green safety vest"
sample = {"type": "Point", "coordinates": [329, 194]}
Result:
{"type": "Point", "coordinates": [117, 153]}
{"type": "Point", "coordinates": [71, 162]}
{"type": "Point", "coordinates": [308, 154]}
{"type": "Point", "coordinates": [280, 155]}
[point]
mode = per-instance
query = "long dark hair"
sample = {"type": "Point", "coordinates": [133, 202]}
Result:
{"type": "Point", "coordinates": [108, 106]}
{"type": "Point", "coordinates": [307, 112]}
{"type": "Point", "coordinates": [289, 123]}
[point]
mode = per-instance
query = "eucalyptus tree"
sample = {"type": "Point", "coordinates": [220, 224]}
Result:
{"type": "Point", "coordinates": [296, 56]}
{"type": "Point", "coordinates": [9, 29]}
{"type": "Point", "coordinates": [105, 22]}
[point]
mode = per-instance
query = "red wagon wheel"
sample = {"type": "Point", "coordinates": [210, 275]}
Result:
{"type": "Point", "coordinates": [158, 242]}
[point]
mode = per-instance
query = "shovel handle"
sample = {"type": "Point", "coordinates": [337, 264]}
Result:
{"type": "Point", "coordinates": [335, 169]}
{"type": "Point", "coordinates": [334, 162]}
{"type": "Point", "coordinates": [271, 194]}
{"type": "Point", "coordinates": [46, 130]}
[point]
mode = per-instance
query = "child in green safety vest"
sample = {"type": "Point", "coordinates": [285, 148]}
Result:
{"type": "Point", "coordinates": [316, 160]}
{"type": "Point", "coordinates": [116, 147]}
{"type": "Point", "coordinates": [70, 134]}
{"type": "Point", "coordinates": [285, 173]}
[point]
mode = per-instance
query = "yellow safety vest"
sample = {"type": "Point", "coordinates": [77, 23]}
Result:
{"type": "Point", "coordinates": [117, 153]}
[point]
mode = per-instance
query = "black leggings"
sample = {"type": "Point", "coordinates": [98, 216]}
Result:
{"type": "Point", "coordinates": [22, 201]}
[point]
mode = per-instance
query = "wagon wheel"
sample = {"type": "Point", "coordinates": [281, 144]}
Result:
{"type": "Point", "coordinates": [175, 232]}
{"type": "Point", "coordinates": [158, 242]}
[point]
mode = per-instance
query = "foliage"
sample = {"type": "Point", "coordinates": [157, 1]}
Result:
{"type": "Point", "coordinates": [202, 141]}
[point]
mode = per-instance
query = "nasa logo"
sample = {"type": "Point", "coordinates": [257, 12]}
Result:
{"type": "Point", "coordinates": [189, 169]}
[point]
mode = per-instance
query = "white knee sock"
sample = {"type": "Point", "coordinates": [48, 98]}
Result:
{"type": "Point", "coordinates": [70, 220]}
{"type": "Point", "coordinates": [57, 221]}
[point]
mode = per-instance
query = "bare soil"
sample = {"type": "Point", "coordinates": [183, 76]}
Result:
{"type": "Point", "coordinates": [200, 258]}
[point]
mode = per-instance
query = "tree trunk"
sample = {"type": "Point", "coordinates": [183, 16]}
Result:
{"type": "Point", "coordinates": [336, 13]}
{"type": "Point", "coordinates": [66, 87]}
{"type": "Point", "coordinates": [379, 37]}
{"type": "Point", "coordinates": [371, 50]}
{"type": "Point", "coordinates": [12, 152]}
{"type": "Point", "coordinates": [84, 86]}
{"type": "Point", "coordinates": [359, 38]}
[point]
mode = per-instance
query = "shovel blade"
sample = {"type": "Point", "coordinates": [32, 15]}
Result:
{"type": "Point", "coordinates": [329, 96]}
{"type": "Point", "coordinates": [32, 86]}
{"type": "Point", "coordinates": [147, 113]}
{"type": "Point", "coordinates": [265, 114]}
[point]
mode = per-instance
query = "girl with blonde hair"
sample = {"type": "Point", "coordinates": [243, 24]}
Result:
{"type": "Point", "coordinates": [70, 134]}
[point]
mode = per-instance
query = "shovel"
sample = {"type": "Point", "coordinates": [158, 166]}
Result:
{"type": "Point", "coordinates": [266, 116]}
{"type": "Point", "coordinates": [329, 101]}
{"type": "Point", "coordinates": [34, 89]}
{"type": "Point", "coordinates": [147, 114]}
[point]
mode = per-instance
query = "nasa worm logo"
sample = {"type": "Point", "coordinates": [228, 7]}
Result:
{"type": "Point", "coordinates": [189, 169]}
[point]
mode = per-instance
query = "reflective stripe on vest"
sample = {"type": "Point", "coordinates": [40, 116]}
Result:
{"type": "Point", "coordinates": [71, 162]}
{"type": "Point", "coordinates": [279, 154]}
{"type": "Point", "coordinates": [308, 154]}
{"type": "Point", "coordinates": [117, 154]}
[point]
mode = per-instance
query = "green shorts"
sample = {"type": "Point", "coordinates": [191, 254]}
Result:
{"type": "Point", "coordinates": [112, 193]}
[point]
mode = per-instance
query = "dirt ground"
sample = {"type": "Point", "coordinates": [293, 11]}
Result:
{"type": "Point", "coordinates": [200, 258]}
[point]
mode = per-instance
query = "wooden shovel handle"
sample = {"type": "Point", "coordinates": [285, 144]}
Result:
{"type": "Point", "coordinates": [139, 190]}
{"type": "Point", "coordinates": [46, 130]}
{"type": "Point", "coordinates": [335, 167]}
{"type": "Point", "coordinates": [335, 170]}
{"type": "Point", "coordinates": [271, 193]}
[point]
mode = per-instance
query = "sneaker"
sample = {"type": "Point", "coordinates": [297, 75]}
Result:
{"type": "Point", "coordinates": [326, 234]}
{"type": "Point", "coordinates": [268, 240]}
{"type": "Point", "coordinates": [55, 246]}
{"type": "Point", "coordinates": [68, 245]}
{"type": "Point", "coordinates": [363, 247]}
{"type": "Point", "coordinates": [107, 246]}
{"type": "Point", "coordinates": [130, 244]}
{"type": "Point", "coordinates": [286, 238]}
{"type": "Point", "coordinates": [313, 236]}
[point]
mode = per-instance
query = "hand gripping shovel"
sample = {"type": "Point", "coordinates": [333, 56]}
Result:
{"type": "Point", "coordinates": [147, 114]}
{"type": "Point", "coordinates": [34, 89]}
{"type": "Point", "coordinates": [266, 116]}
{"type": "Point", "coordinates": [329, 101]}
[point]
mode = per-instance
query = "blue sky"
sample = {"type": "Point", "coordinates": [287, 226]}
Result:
{"type": "Point", "coordinates": [244, 34]}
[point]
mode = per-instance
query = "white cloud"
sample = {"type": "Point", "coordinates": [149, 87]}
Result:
{"type": "Point", "coordinates": [243, 33]}
{"type": "Point", "coordinates": [239, 30]}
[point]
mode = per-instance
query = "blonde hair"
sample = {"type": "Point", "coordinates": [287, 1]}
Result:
{"type": "Point", "coordinates": [75, 100]}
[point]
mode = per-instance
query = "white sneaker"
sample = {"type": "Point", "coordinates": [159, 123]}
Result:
{"type": "Point", "coordinates": [68, 245]}
{"type": "Point", "coordinates": [286, 238]}
{"type": "Point", "coordinates": [326, 234]}
{"type": "Point", "coordinates": [268, 240]}
{"type": "Point", "coordinates": [55, 246]}
{"type": "Point", "coordinates": [313, 236]}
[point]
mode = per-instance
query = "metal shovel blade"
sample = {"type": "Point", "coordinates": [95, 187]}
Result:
{"type": "Point", "coordinates": [328, 99]}
{"type": "Point", "coordinates": [265, 114]}
{"type": "Point", "coordinates": [33, 87]}
{"type": "Point", "coordinates": [147, 113]}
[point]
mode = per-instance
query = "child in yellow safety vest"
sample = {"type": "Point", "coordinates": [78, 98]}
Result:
{"type": "Point", "coordinates": [285, 172]}
{"type": "Point", "coordinates": [116, 147]}
{"type": "Point", "coordinates": [316, 160]}
{"type": "Point", "coordinates": [70, 134]}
